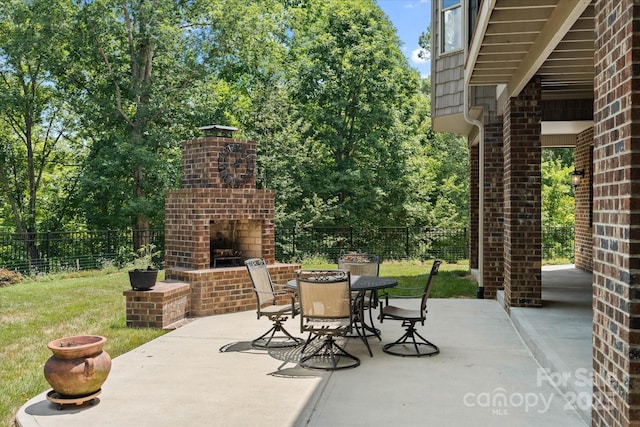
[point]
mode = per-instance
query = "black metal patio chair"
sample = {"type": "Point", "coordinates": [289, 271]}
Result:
{"type": "Point", "coordinates": [267, 294]}
{"type": "Point", "coordinates": [362, 264]}
{"type": "Point", "coordinates": [326, 313]}
{"type": "Point", "coordinates": [411, 343]}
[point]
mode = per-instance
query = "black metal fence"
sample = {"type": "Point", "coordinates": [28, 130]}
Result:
{"type": "Point", "coordinates": [77, 250]}
{"type": "Point", "coordinates": [55, 251]}
{"type": "Point", "coordinates": [558, 243]}
{"type": "Point", "coordinates": [450, 244]}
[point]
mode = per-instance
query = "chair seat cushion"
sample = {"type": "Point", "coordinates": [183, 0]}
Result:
{"type": "Point", "coordinates": [393, 312]}
{"type": "Point", "coordinates": [278, 309]}
{"type": "Point", "coordinates": [321, 326]}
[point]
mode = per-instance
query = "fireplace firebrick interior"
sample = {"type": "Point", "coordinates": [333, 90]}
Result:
{"type": "Point", "coordinates": [232, 242]}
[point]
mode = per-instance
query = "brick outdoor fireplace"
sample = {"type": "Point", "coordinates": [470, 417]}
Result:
{"type": "Point", "coordinates": [212, 224]}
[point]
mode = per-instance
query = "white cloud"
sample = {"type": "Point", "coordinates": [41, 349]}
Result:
{"type": "Point", "coordinates": [416, 57]}
{"type": "Point", "coordinates": [413, 5]}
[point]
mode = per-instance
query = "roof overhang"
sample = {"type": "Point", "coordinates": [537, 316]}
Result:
{"type": "Point", "coordinates": [455, 123]}
{"type": "Point", "coordinates": [515, 40]}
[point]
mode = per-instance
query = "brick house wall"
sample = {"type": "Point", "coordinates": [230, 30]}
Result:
{"type": "Point", "coordinates": [522, 198]}
{"type": "Point", "coordinates": [616, 223]}
{"type": "Point", "coordinates": [583, 240]}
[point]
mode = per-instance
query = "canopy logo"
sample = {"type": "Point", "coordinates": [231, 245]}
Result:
{"type": "Point", "coordinates": [565, 386]}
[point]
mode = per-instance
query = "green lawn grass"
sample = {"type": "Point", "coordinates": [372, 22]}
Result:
{"type": "Point", "coordinates": [453, 280]}
{"type": "Point", "coordinates": [34, 312]}
{"type": "Point", "coordinates": [37, 311]}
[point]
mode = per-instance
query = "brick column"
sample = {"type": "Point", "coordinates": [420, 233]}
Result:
{"type": "Point", "coordinates": [522, 199]}
{"type": "Point", "coordinates": [616, 219]}
{"type": "Point", "coordinates": [493, 209]}
{"type": "Point", "coordinates": [474, 207]}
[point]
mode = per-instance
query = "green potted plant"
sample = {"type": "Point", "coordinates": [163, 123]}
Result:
{"type": "Point", "coordinates": [143, 276]}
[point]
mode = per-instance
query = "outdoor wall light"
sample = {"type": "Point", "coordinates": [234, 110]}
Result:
{"type": "Point", "coordinates": [576, 176]}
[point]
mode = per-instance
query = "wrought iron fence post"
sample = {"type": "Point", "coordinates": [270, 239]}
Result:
{"type": "Point", "coordinates": [293, 243]}
{"type": "Point", "coordinates": [466, 244]}
{"type": "Point", "coordinates": [351, 237]}
{"type": "Point", "coordinates": [406, 242]}
{"type": "Point", "coordinates": [48, 252]}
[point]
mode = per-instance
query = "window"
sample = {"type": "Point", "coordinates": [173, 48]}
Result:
{"type": "Point", "coordinates": [451, 25]}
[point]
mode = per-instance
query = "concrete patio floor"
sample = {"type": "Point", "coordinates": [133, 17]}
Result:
{"type": "Point", "coordinates": [485, 374]}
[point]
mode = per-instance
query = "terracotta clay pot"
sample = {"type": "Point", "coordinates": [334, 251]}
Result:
{"type": "Point", "coordinates": [78, 366]}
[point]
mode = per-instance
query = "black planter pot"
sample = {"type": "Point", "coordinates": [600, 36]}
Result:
{"type": "Point", "coordinates": [143, 280]}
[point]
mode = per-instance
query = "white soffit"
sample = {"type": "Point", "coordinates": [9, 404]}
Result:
{"type": "Point", "coordinates": [514, 40]}
{"type": "Point", "coordinates": [565, 128]}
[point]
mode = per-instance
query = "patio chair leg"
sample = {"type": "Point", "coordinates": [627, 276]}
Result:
{"type": "Point", "coordinates": [309, 340]}
{"type": "Point", "coordinates": [410, 335]}
{"type": "Point", "coordinates": [376, 331]}
{"type": "Point", "coordinates": [287, 340]}
{"type": "Point", "coordinates": [363, 335]}
{"type": "Point", "coordinates": [328, 350]}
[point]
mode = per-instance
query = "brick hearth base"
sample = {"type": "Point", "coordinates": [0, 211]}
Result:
{"type": "Point", "coordinates": [197, 293]}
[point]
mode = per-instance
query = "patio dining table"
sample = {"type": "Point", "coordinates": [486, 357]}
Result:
{"type": "Point", "coordinates": [363, 285]}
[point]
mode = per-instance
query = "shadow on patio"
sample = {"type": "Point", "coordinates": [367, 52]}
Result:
{"type": "Point", "coordinates": [484, 375]}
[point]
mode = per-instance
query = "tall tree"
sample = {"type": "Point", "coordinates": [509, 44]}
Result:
{"type": "Point", "coordinates": [36, 130]}
{"type": "Point", "coordinates": [340, 119]}
{"type": "Point", "coordinates": [134, 68]}
{"type": "Point", "coordinates": [352, 84]}
{"type": "Point", "coordinates": [438, 170]}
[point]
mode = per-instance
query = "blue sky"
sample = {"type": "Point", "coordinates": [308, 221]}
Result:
{"type": "Point", "coordinates": [410, 18]}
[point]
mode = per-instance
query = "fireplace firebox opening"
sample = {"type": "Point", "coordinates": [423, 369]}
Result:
{"type": "Point", "coordinates": [233, 241]}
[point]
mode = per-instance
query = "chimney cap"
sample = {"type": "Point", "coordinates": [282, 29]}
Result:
{"type": "Point", "coordinates": [218, 130]}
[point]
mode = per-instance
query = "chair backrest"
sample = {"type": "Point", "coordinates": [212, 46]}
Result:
{"type": "Point", "coordinates": [427, 289]}
{"type": "Point", "coordinates": [324, 294]}
{"type": "Point", "coordinates": [262, 284]}
{"type": "Point", "coordinates": [360, 264]}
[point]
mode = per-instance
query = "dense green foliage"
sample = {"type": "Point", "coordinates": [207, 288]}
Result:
{"type": "Point", "coordinates": [557, 193]}
{"type": "Point", "coordinates": [97, 95]}
{"type": "Point", "coordinates": [557, 204]}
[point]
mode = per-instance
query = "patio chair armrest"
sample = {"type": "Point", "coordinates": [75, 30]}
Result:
{"type": "Point", "coordinates": [407, 292]}
{"type": "Point", "coordinates": [378, 297]}
{"type": "Point", "coordinates": [280, 289]}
